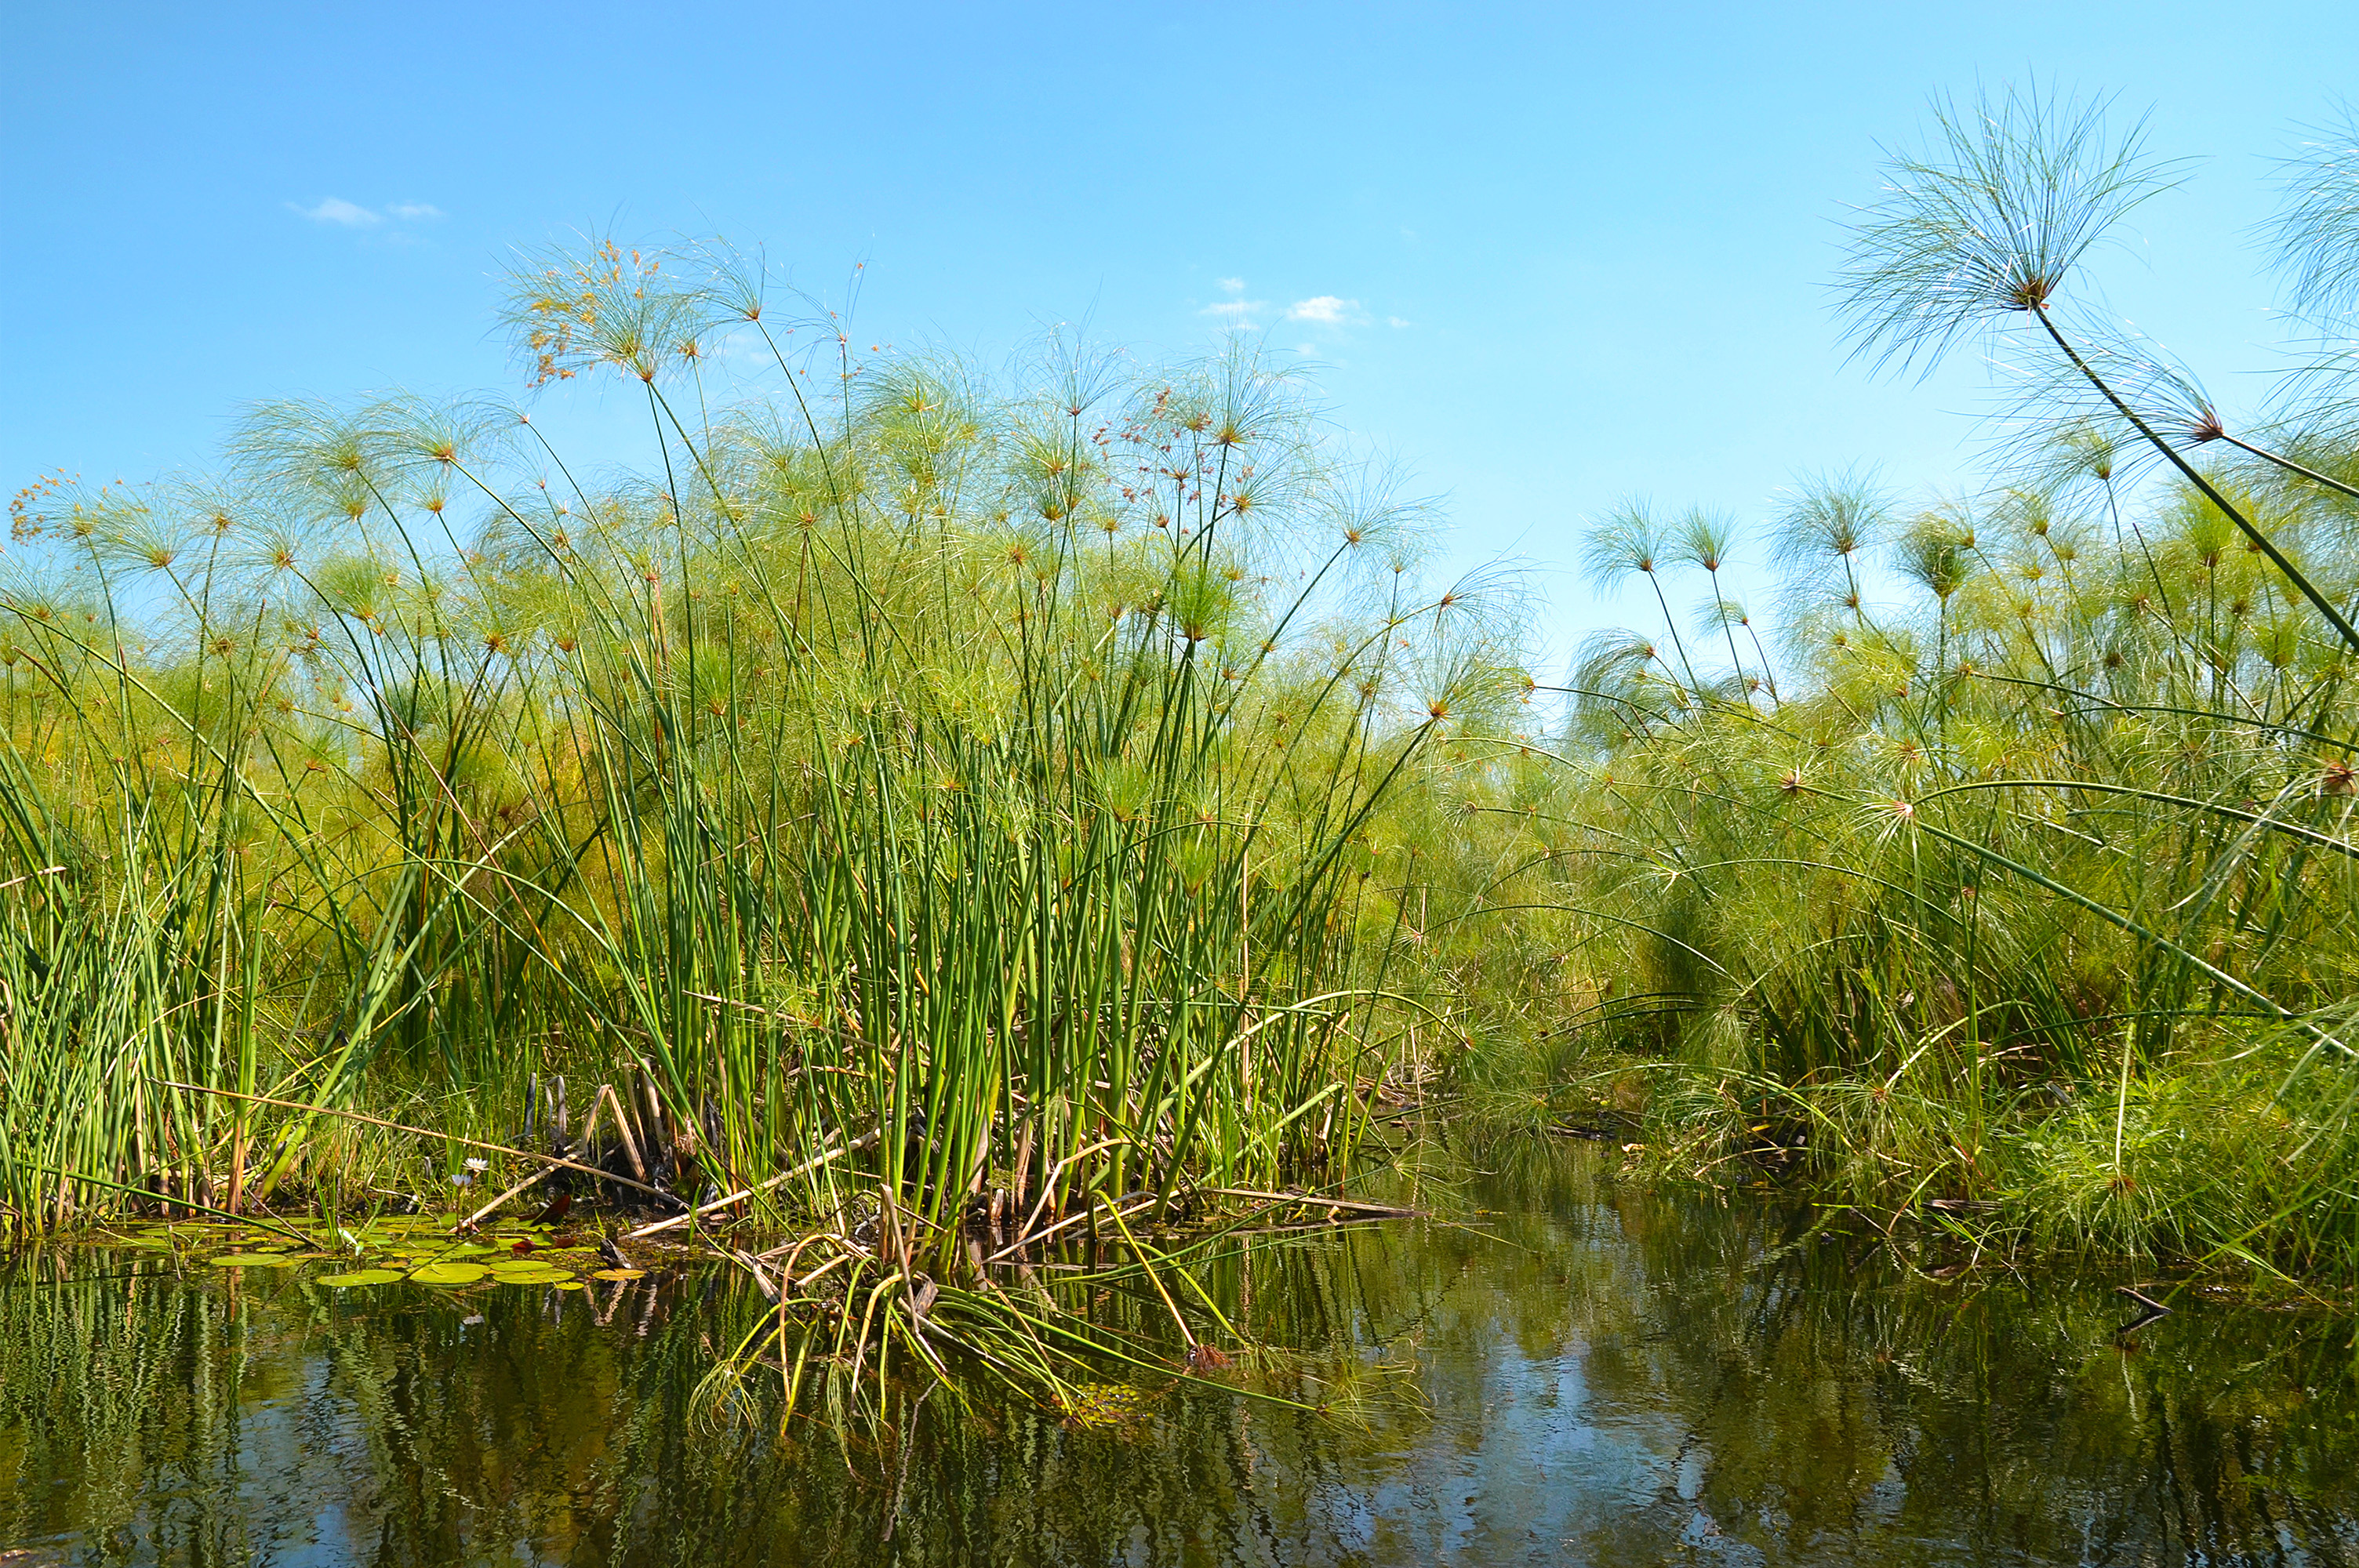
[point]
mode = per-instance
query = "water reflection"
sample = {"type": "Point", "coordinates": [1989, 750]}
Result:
{"type": "Point", "coordinates": [1587, 1373]}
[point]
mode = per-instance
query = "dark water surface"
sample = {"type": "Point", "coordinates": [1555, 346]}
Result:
{"type": "Point", "coordinates": [1598, 1374]}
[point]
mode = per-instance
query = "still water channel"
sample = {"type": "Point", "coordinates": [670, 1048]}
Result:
{"type": "Point", "coordinates": [1583, 1370]}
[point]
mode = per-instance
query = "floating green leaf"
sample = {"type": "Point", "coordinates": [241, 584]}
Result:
{"type": "Point", "coordinates": [362, 1277]}
{"type": "Point", "coordinates": [256, 1261]}
{"type": "Point", "coordinates": [450, 1273]}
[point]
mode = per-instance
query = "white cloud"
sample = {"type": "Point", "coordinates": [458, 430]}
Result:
{"type": "Point", "coordinates": [416, 210]}
{"type": "Point", "coordinates": [1236, 312]}
{"type": "Point", "coordinates": [1232, 285]}
{"type": "Point", "coordinates": [336, 209]}
{"type": "Point", "coordinates": [1323, 308]}
{"type": "Point", "coordinates": [1396, 321]}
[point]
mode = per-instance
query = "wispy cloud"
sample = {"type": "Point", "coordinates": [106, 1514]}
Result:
{"type": "Point", "coordinates": [1238, 311]}
{"type": "Point", "coordinates": [352, 215]}
{"type": "Point", "coordinates": [336, 209]}
{"type": "Point", "coordinates": [1396, 320]}
{"type": "Point", "coordinates": [1325, 309]}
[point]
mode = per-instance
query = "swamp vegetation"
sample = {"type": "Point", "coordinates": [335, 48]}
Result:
{"type": "Point", "coordinates": [2002, 879]}
{"type": "Point", "coordinates": [942, 845]}
{"type": "Point", "coordinates": [926, 808]}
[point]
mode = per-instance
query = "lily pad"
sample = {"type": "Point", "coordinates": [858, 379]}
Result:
{"type": "Point", "coordinates": [432, 1255]}
{"type": "Point", "coordinates": [362, 1277]}
{"type": "Point", "coordinates": [450, 1273]}
{"type": "Point", "coordinates": [568, 1285]}
{"type": "Point", "coordinates": [256, 1261]}
{"type": "Point", "coordinates": [620, 1274]}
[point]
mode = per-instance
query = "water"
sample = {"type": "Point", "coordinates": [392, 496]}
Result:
{"type": "Point", "coordinates": [1591, 1373]}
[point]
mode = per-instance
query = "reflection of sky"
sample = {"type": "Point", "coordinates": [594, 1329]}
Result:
{"type": "Point", "coordinates": [303, 1469]}
{"type": "Point", "coordinates": [1605, 1378]}
{"type": "Point", "coordinates": [1519, 1467]}
{"type": "Point", "coordinates": [1522, 1463]}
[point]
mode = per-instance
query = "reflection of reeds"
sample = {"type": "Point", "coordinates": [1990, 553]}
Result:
{"type": "Point", "coordinates": [971, 780]}
{"type": "Point", "coordinates": [1807, 1384]}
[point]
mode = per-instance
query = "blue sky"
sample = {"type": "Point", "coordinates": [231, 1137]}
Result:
{"type": "Point", "coordinates": [1549, 256]}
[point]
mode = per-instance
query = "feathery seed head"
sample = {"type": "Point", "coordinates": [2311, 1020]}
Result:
{"type": "Point", "coordinates": [1989, 220]}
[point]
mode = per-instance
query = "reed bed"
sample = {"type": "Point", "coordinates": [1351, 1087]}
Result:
{"type": "Point", "coordinates": [919, 802]}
